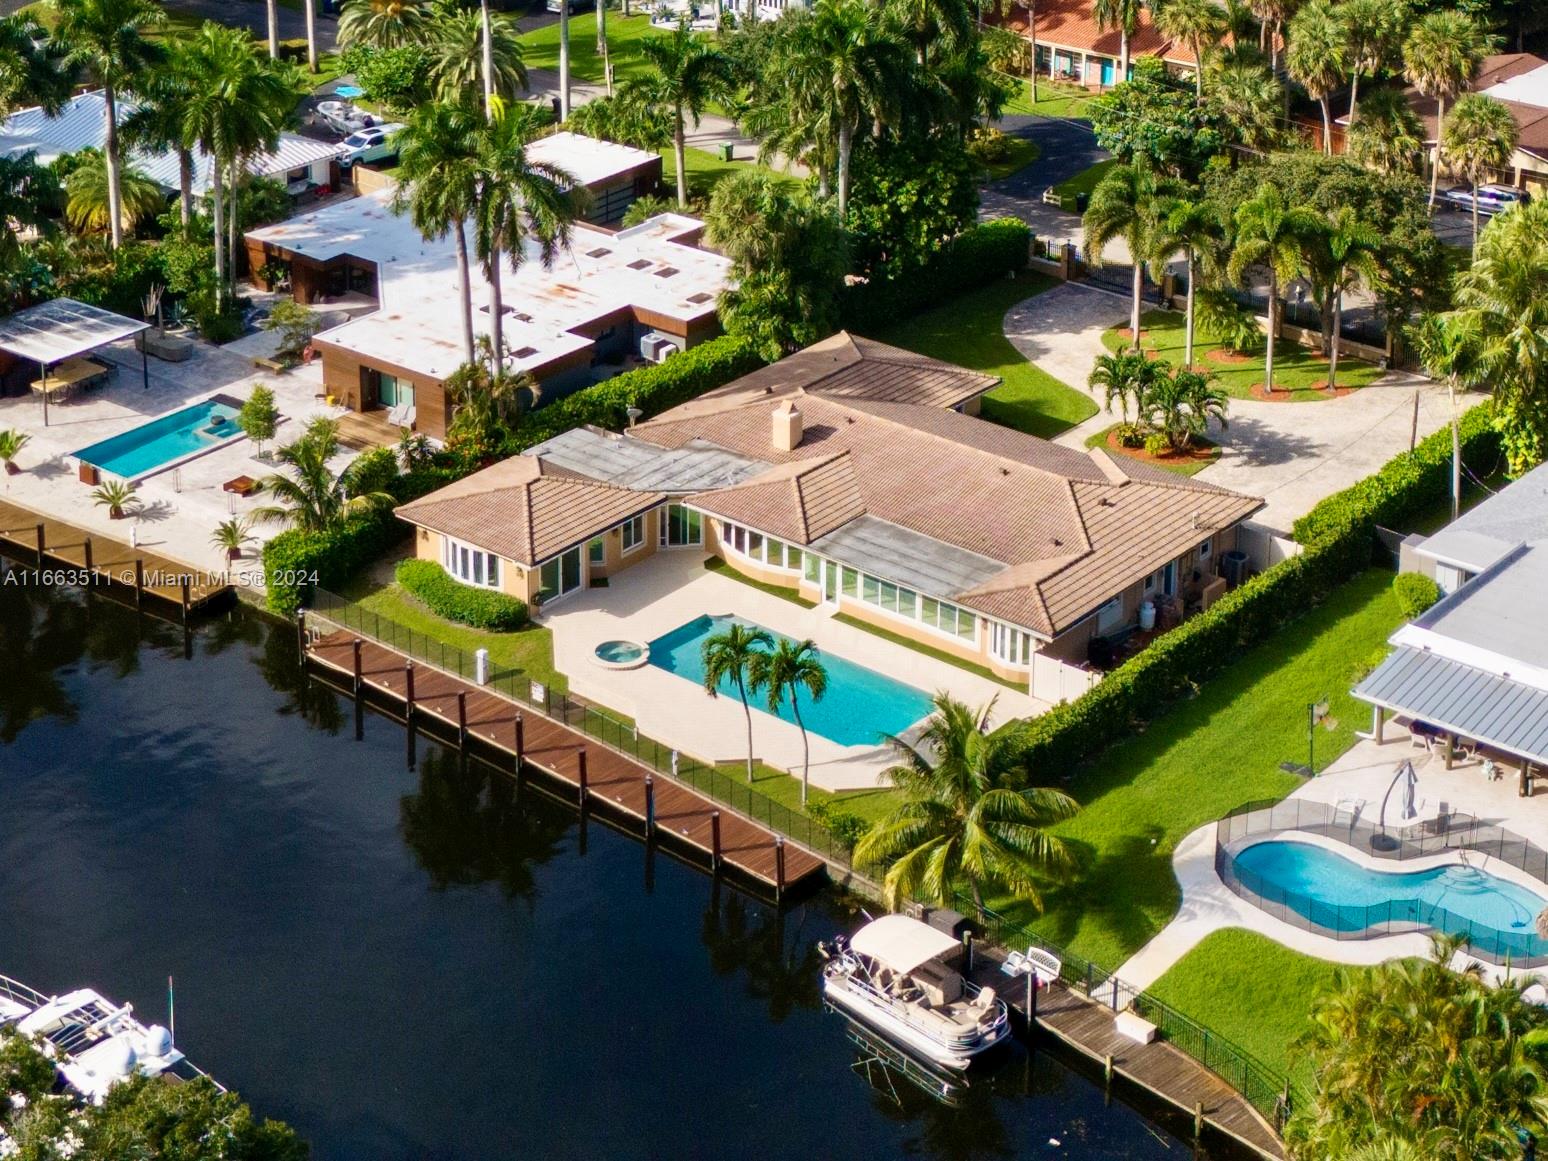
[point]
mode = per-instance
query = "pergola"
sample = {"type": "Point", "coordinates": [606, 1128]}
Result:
{"type": "Point", "coordinates": [63, 329]}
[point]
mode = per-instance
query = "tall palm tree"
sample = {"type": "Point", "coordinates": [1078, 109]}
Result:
{"type": "Point", "coordinates": [932, 26]}
{"type": "Point", "coordinates": [1440, 56]}
{"type": "Point", "coordinates": [1375, 31]}
{"type": "Point", "coordinates": [687, 73]}
{"type": "Point", "coordinates": [1193, 226]}
{"type": "Point", "coordinates": [1200, 24]}
{"type": "Point", "coordinates": [1271, 233]}
{"type": "Point", "coordinates": [1123, 205]}
{"type": "Point", "coordinates": [961, 817]}
{"type": "Point", "coordinates": [89, 196]}
{"type": "Point", "coordinates": [309, 7]}
{"type": "Point", "coordinates": [1317, 57]}
{"type": "Point", "coordinates": [438, 176]}
{"type": "Point", "coordinates": [1123, 15]}
{"type": "Point", "coordinates": [564, 60]}
{"type": "Point", "coordinates": [312, 497]}
{"type": "Point", "coordinates": [107, 39]}
{"type": "Point", "coordinates": [1350, 246]}
{"type": "Point", "coordinates": [519, 200]}
{"type": "Point", "coordinates": [784, 672]}
{"type": "Point", "coordinates": [1480, 137]}
{"type": "Point", "coordinates": [467, 56]}
{"type": "Point", "coordinates": [1251, 100]}
{"type": "Point", "coordinates": [1448, 351]}
{"type": "Point", "coordinates": [1388, 137]}
{"type": "Point", "coordinates": [382, 23]}
{"type": "Point", "coordinates": [158, 120]}
{"type": "Point", "coordinates": [32, 67]}
{"type": "Point", "coordinates": [728, 657]}
{"type": "Point", "coordinates": [273, 15]}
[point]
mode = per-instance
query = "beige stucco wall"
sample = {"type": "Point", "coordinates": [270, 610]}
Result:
{"type": "Point", "coordinates": [616, 559]}
{"type": "Point", "coordinates": [515, 580]}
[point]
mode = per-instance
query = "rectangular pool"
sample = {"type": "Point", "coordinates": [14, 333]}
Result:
{"type": "Point", "coordinates": [166, 440]}
{"type": "Point", "coordinates": [859, 707]}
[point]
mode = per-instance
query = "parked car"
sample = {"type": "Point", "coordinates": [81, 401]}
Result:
{"type": "Point", "coordinates": [1492, 199]}
{"type": "Point", "coordinates": [371, 144]}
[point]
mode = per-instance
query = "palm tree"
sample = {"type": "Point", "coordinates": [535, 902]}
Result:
{"type": "Point", "coordinates": [1271, 16]}
{"type": "Point", "coordinates": [382, 23]}
{"type": "Point", "coordinates": [460, 53]}
{"type": "Point", "coordinates": [33, 69]}
{"type": "Point", "coordinates": [1250, 98]}
{"type": "Point", "coordinates": [518, 200]}
{"type": "Point", "coordinates": [1440, 57]}
{"type": "Point", "coordinates": [1374, 29]}
{"type": "Point", "coordinates": [1318, 57]}
{"type": "Point", "coordinates": [1349, 250]}
{"type": "Point", "coordinates": [310, 8]}
{"type": "Point", "coordinates": [1480, 136]}
{"type": "Point", "coordinates": [29, 198]}
{"type": "Point", "coordinates": [313, 498]}
{"type": "Point", "coordinates": [107, 38]}
{"type": "Point", "coordinates": [1194, 227]}
{"type": "Point", "coordinates": [939, 25]}
{"type": "Point", "coordinates": [1123, 205]}
{"type": "Point", "coordinates": [1181, 405]}
{"type": "Point", "coordinates": [90, 196]}
{"type": "Point", "coordinates": [1124, 16]}
{"type": "Point", "coordinates": [273, 15]}
{"type": "Point", "coordinates": [1388, 136]}
{"type": "Point", "coordinates": [728, 656]}
{"type": "Point", "coordinates": [1123, 378]}
{"type": "Point", "coordinates": [438, 182]}
{"type": "Point", "coordinates": [961, 818]}
{"type": "Point", "coordinates": [687, 73]}
{"type": "Point", "coordinates": [564, 60]}
{"type": "Point", "coordinates": [1270, 233]}
{"type": "Point", "coordinates": [1448, 351]}
{"type": "Point", "coordinates": [1200, 24]}
{"type": "Point", "coordinates": [784, 672]}
{"type": "Point", "coordinates": [158, 121]}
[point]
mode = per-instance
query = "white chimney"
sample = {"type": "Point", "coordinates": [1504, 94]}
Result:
{"type": "Point", "coordinates": [787, 426]}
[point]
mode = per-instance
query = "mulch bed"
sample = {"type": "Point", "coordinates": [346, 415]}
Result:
{"type": "Point", "coordinates": [1203, 450]}
{"type": "Point", "coordinates": [1221, 355]}
{"type": "Point", "coordinates": [1127, 335]}
{"type": "Point", "coordinates": [1286, 394]}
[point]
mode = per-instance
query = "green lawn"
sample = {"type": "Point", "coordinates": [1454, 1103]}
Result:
{"type": "Point", "coordinates": [540, 47]}
{"type": "Point", "coordinates": [1054, 99]}
{"type": "Point", "coordinates": [1252, 991]}
{"type": "Point", "coordinates": [1085, 181]}
{"type": "Point", "coordinates": [705, 171]}
{"type": "Point", "coordinates": [785, 789]}
{"type": "Point", "coordinates": [969, 331]}
{"type": "Point", "coordinates": [1202, 758]}
{"type": "Point", "coordinates": [783, 592]}
{"type": "Point", "coordinates": [1295, 367]}
{"type": "Point", "coordinates": [1190, 467]}
{"type": "Point", "coordinates": [1022, 154]}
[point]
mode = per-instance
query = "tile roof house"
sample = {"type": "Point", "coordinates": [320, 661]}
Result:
{"type": "Point", "coordinates": [1070, 42]}
{"type": "Point", "coordinates": [822, 474]}
{"type": "Point", "coordinates": [1520, 81]}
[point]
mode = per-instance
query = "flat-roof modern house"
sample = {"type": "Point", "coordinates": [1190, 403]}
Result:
{"type": "Point", "coordinates": [855, 475]}
{"type": "Point", "coordinates": [1474, 668]}
{"type": "Point", "coordinates": [611, 297]}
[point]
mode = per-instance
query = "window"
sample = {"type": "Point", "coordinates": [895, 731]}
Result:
{"type": "Point", "coordinates": [682, 527]}
{"type": "Point", "coordinates": [755, 544]}
{"type": "Point", "coordinates": [633, 533]}
{"type": "Point", "coordinates": [850, 585]}
{"type": "Point", "coordinates": [471, 566]}
{"type": "Point", "coordinates": [793, 558]}
{"type": "Point", "coordinates": [1110, 615]}
{"type": "Point", "coordinates": [812, 567]}
{"type": "Point", "coordinates": [560, 576]}
{"type": "Point", "coordinates": [1204, 550]}
{"type": "Point", "coordinates": [870, 590]}
{"type": "Point", "coordinates": [930, 613]}
{"type": "Point", "coordinates": [596, 551]}
{"type": "Point", "coordinates": [1150, 583]}
{"type": "Point", "coordinates": [1011, 644]}
{"type": "Point", "coordinates": [774, 552]}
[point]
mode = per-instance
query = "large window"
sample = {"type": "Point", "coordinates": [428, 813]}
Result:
{"type": "Point", "coordinates": [633, 533]}
{"type": "Point", "coordinates": [682, 527]}
{"type": "Point", "coordinates": [560, 576]}
{"type": "Point", "coordinates": [1011, 644]}
{"type": "Point", "coordinates": [472, 566]}
{"type": "Point", "coordinates": [766, 550]}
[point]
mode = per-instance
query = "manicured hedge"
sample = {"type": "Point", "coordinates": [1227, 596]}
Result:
{"type": "Point", "coordinates": [978, 255]}
{"type": "Point", "coordinates": [1415, 593]}
{"type": "Point", "coordinates": [295, 562]}
{"type": "Point", "coordinates": [447, 597]}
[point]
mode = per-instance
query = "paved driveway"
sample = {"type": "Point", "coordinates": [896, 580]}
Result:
{"type": "Point", "coordinates": [1061, 331]}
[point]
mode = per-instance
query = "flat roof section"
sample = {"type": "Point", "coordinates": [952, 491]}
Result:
{"type": "Point", "coordinates": [589, 160]}
{"type": "Point", "coordinates": [1499, 611]}
{"type": "Point", "coordinates": [908, 558]}
{"type": "Point", "coordinates": [632, 463]}
{"type": "Point", "coordinates": [62, 328]}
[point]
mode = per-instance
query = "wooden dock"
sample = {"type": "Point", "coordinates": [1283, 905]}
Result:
{"type": "Point", "coordinates": [601, 776]}
{"type": "Point", "coordinates": [48, 543]}
{"type": "Point", "coordinates": [1160, 1069]}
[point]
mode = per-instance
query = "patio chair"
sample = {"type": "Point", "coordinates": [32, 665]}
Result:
{"type": "Point", "coordinates": [1420, 740]}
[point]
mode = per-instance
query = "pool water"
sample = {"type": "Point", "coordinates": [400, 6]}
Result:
{"type": "Point", "coordinates": [859, 706]}
{"type": "Point", "coordinates": [1340, 895]}
{"type": "Point", "coordinates": [620, 652]}
{"type": "Point", "coordinates": [165, 440]}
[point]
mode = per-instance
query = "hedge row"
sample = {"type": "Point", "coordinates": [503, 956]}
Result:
{"type": "Point", "coordinates": [295, 562]}
{"type": "Point", "coordinates": [1337, 544]}
{"type": "Point", "coordinates": [977, 256]}
{"type": "Point", "coordinates": [447, 597]}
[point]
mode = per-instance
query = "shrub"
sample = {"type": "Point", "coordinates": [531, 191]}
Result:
{"type": "Point", "coordinates": [987, 145]}
{"type": "Point", "coordinates": [976, 256]}
{"type": "Point", "coordinates": [372, 471]}
{"type": "Point", "coordinates": [450, 598]}
{"type": "Point", "coordinates": [844, 825]}
{"type": "Point", "coordinates": [1157, 444]}
{"type": "Point", "coordinates": [1129, 435]}
{"type": "Point", "coordinates": [1415, 593]}
{"type": "Point", "coordinates": [295, 562]}
{"type": "Point", "coordinates": [259, 417]}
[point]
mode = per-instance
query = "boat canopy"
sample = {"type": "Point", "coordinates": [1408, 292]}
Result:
{"type": "Point", "coordinates": [901, 943]}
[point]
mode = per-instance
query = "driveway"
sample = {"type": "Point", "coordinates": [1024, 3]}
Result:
{"type": "Point", "coordinates": [1065, 147]}
{"type": "Point", "coordinates": [1061, 331]}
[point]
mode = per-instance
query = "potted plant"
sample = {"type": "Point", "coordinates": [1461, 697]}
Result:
{"type": "Point", "coordinates": [232, 535]}
{"type": "Point", "coordinates": [115, 496]}
{"type": "Point", "coordinates": [11, 442]}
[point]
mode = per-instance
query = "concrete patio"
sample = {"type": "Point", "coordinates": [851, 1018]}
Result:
{"type": "Point", "coordinates": [672, 588]}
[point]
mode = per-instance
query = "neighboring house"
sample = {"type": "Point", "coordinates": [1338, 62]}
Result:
{"type": "Point", "coordinates": [1475, 666]}
{"type": "Point", "coordinates": [1071, 45]}
{"type": "Point", "coordinates": [299, 162]}
{"type": "Point", "coordinates": [855, 474]}
{"type": "Point", "coordinates": [612, 174]}
{"type": "Point", "coordinates": [609, 299]}
{"type": "Point", "coordinates": [1520, 80]}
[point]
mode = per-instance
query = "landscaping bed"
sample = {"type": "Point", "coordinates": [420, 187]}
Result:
{"type": "Point", "coordinates": [1186, 463]}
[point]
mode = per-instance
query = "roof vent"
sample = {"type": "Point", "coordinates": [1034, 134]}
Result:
{"type": "Point", "coordinates": [700, 299]}
{"type": "Point", "coordinates": [1004, 471]}
{"type": "Point", "coordinates": [599, 252]}
{"type": "Point", "coordinates": [1058, 543]}
{"type": "Point", "coordinates": [666, 272]}
{"type": "Point", "coordinates": [787, 427]}
{"type": "Point", "coordinates": [524, 352]}
{"type": "Point", "coordinates": [639, 264]}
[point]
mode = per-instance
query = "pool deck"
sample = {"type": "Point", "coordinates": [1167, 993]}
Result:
{"type": "Point", "coordinates": [658, 595]}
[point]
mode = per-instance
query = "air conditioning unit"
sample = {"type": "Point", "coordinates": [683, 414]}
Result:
{"type": "Point", "coordinates": [1235, 567]}
{"type": "Point", "coordinates": [657, 347]}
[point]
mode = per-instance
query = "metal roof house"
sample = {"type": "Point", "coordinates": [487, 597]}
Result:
{"type": "Point", "coordinates": [1475, 666]}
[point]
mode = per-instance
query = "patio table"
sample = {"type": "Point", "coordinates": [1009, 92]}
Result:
{"type": "Point", "coordinates": [68, 374]}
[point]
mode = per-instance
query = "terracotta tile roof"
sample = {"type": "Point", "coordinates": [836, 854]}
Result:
{"type": "Point", "coordinates": [800, 501]}
{"type": "Point", "coordinates": [1068, 24]}
{"type": "Point", "coordinates": [526, 510]}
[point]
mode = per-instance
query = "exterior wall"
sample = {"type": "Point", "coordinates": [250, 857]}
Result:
{"type": "Point", "coordinates": [615, 559]}
{"type": "Point", "coordinates": [515, 580]}
{"type": "Point", "coordinates": [346, 376]}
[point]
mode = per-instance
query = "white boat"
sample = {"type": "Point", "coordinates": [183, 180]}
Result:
{"type": "Point", "coordinates": [93, 1043]}
{"type": "Point", "coordinates": [902, 978]}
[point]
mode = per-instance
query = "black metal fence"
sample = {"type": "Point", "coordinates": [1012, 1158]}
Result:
{"type": "Point", "coordinates": [516, 684]}
{"type": "Point", "coordinates": [1517, 944]}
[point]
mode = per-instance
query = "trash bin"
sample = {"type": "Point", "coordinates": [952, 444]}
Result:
{"type": "Point", "coordinates": [724, 149]}
{"type": "Point", "coordinates": [1082, 200]}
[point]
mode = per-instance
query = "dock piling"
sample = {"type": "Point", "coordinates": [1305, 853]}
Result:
{"type": "Point", "coordinates": [650, 807]}
{"type": "Point", "coordinates": [462, 718]}
{"type": "Point", "coordinates": [408, 691]}
{"type": "Point", "coordinates": [184, 587]}
{"type": "Point", "coordinates": [86, 549]}
{"type": "Point", "coordinates": [715, 840]}
{"type": "Point", "coordinates": [521, 741]}
{"type": "Point", "coordinates": [1198, 1120]}
{"type": "Point", "coordinates": [1031, 1000]}
{"type": "Point", "coordinates": [358, 643]}
{"type": "Point", "coordinates": [139, 582]}
{"type": "Point", "coordinates": [580, 753]}
{"type": "Point", "coordinates": [779, 865]}
{"type": "Point", "coordinates": [1107, 1068]}
{"type": "Point", "coordinates": [301, 637]}
{"type": "Point", "coordinates": [42, 543]}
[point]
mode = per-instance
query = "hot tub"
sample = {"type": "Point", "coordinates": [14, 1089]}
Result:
{"type": "Point", "coordinates": [621, 654]}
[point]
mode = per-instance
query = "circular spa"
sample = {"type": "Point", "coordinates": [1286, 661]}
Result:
{"type": "Point", "coordinates": [621, 654]}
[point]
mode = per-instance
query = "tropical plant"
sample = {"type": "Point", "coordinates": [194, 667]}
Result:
{"type": "Point", "coordinates": [1249, 98]}
{"type": "Point", "coordinates": [1124, 205]}
{"type": "Point", "coordinates": [648, 206]}
{"type": "Point", "coordinates": [1123, 15]}
{"type": "Point", "coordinates": [727, 656]}
{"type": "Point", "coordinates": [11, 443]}
{"type": "Point", "coordinates": [1448, 352]}
{"type": "Point", "coordinates": [117, 496]}
{"type": "Point", "coordinates": [687, 73]}
{"type": "Point", "coordinates": [30, 196]}
{"type": "Point", "coordinates": [459, 52]}
{"type": "Point", "coordinates": [1480, 136]}
{"type": "Point", "coordinates": [313, 498]}
{"type": "Point", "coordinates": [1181, 405]}
{"type": "Point", "coordinates": [1374, 31]}
{"type": "Point", "coordinates": [631, 118]}
{"type": "Point", "coordinates": [963, 817]}
{"type": "Point", "coordinates": [295, 323]}
{"type": "Point", "coordinates": [232, 536]}
{"type": "Point", "coordinates": [1123, 378]}
{"type": "Point", "coordinates": [1387, 136]}
{"type": "Point", "coordinates": [33, 70]}
{"type": "Point", "coordinates": [107, 38]}
{"type": "Point", "coordinates": [784, 672]}
{"type": "Point", "coordinates": [1348, 249]}
{"type": "Point", "coordinates": [485, 399]}
{"type": "Point", "coordinates": [89, 195]}
{"type": "Point", "coordinates": [259, 417]}
{"type": "Point", "coordinates": [1440, 56]}
{"type": "Point", "coordinates": [382, 23]}
{"type": "Point", "coordinates": [158, 121]}
{"type": "Point", "coordinates": [936, 28]}
{"type": "Point", "coordinates": [1193, 226]}
{"type": "Point", "coordinates": [1271, 234]}
{"type": "Point", "coordinates": [1317, 57]}
{"type": "Point", "coordinates": [1200, 24]}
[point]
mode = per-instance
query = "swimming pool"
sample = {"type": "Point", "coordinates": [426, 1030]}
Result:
{"type": "Point", "coordinates": [1343, 897]}
{"type": "Point", "coordinates": [859, 706]}
{"type": "Point", "coordinates": [166, 440]}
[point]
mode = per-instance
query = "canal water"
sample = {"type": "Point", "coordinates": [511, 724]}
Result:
{"type": "Point", "coordinates": [423, 963]}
